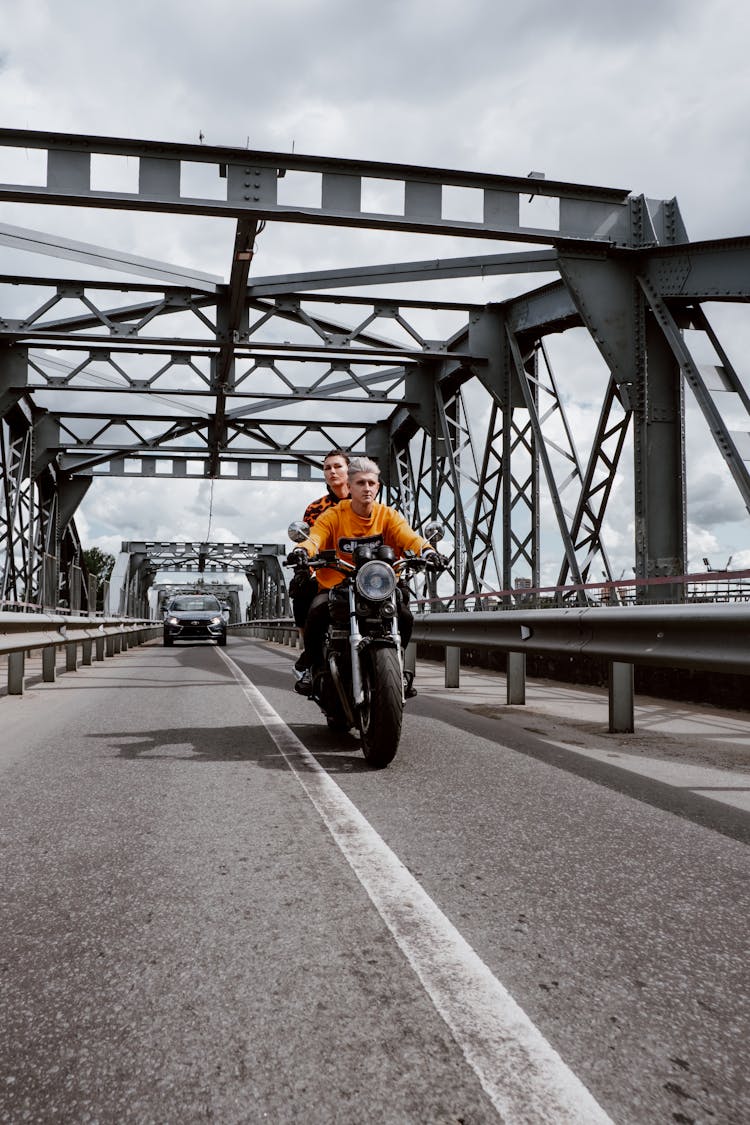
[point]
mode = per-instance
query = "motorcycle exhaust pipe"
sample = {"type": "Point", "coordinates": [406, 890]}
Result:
{"type": "Point", "coordinates": [340, 689]}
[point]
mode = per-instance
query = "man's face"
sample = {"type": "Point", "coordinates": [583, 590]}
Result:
{"type": "Point", "coordinates": [334, 470]}
{"type": "Point", "coordinates": [364, 488]}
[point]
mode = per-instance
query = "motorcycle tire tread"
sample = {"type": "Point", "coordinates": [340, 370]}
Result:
{"type": "Point", "coordinates": [382, 714]}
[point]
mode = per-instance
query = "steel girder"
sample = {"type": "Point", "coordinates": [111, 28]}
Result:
{"type": "Point", "coordinates": [40, 553]}
{"type": "Point", "coordinates": [257, 378]}
{"type": "Point", "coordinates": [18, 508]}
{"type": "Point", "coordinates": [265, 186]}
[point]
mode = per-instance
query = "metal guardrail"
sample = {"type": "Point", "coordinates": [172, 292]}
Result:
{"type": "Point", "coordinates": [21, 633]}
{"type": "Point", "coordinates": [703, 636]}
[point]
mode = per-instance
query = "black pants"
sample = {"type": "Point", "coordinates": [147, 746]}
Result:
{"type": "Point", "coordinates": [303, 589]}
{"type": "Point", "coordinates": [317, 623]}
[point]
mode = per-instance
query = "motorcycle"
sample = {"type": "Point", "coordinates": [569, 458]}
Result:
{"type": "Point", "coordinates": [361, 682]}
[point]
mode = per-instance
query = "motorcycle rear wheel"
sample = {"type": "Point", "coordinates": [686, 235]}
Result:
{"type": "Point", "coordinates": [382, 711]}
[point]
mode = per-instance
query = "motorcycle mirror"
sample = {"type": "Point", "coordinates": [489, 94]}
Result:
{"type": "Point", "coordinates": [434, 531]}
{"type": "Point", "coordinates": [298, 531]}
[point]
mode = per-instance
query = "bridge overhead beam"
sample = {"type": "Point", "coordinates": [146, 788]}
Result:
{"type": "Point", "coordinates": [531, 261]}
{"type": "Point", "coordinates": [254, 188]}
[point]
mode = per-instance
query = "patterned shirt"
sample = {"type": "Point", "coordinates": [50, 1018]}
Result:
{"type": "Point", "coordinates": [317, 507]}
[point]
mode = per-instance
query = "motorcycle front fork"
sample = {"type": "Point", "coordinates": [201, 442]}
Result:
{"type": "Point", "coordinates": [355, 648]}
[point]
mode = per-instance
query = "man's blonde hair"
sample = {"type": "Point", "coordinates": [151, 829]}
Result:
{"type": "Point", "coordinates": [362, 465]}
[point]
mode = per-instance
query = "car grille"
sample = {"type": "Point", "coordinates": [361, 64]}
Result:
{"type": "Point", "coordinates": [195, 629]}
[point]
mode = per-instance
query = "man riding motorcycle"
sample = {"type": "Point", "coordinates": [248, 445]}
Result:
{"type": "Point", "coordinates": [358, 521]}
{"type": "Point", "coordinates": [303, 587]}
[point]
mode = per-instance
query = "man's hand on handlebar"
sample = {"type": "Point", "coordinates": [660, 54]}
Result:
{"type": "Point", "coordinates": [297, 557]}
{"type": "Point", "coordinates": [435, 560]}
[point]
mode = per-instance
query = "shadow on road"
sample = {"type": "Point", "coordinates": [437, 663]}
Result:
{"type": "Point", "coordinates": [337, 752]}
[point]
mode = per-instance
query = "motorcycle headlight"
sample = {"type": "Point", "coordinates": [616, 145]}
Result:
{"type": "Point", "coordinates": [375, 581]}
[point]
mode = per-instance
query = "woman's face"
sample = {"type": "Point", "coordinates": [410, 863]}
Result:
{"type": "Point", "coordinates": [335, 470]}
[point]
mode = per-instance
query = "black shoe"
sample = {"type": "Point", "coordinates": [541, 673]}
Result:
{"type": "Point", "coordinates": [409, 690]}
{"type": "Point", "coordinates": [302, 663]}
{"type": "Point", "coordinates": [303, 685]}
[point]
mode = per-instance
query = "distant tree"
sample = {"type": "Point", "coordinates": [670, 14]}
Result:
{"type": "Point", "coordinates": [99, 565]}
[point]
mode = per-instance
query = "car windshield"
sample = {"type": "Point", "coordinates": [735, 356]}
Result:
{"type": "Point", "coordinates": [191, 605]}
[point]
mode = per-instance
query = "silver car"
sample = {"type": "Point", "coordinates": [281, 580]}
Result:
{"type": "Point", "coordinates": [195, 617]}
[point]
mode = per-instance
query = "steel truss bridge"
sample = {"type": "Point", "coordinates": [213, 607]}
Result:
{"type": "Point", "coordinates": [206, 566]}
{"type": "Point", "coordinates": [147, 369]}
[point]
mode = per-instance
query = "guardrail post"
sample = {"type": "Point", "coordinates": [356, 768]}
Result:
{"type": "Point", "coordinates": [452, 666]}
{"type": "Point", "coordinates": [86, 651]}
{"type": "Point", "coordinates": [16, 664]}
{"type": "Point", "coordinates": [118, 642]}
{"type": "Point", "coordinates": [110, 644]}
{"type": "Point", "coordinates": [71, 657]}
{"type": "Point", "coordinates": [621, 701]}
{"type": "Point", "coordinates": [410, 657]}
{"type": "Point", "coordinates": [515, 678]}
{"type": "Point", "coordinates": [99, 647]}
{"type": "Point", "coordinates": [49, 664]}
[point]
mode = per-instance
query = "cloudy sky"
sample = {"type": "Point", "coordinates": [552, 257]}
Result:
{"type": "Point", "coordinates": [649, 96]}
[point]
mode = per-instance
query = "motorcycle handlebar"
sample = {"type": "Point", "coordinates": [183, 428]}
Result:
{"type": "Point", "coordinates": [317, 562]}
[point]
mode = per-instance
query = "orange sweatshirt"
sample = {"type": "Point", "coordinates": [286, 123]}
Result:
{"type": "Point", "coordinates": [340, 528]}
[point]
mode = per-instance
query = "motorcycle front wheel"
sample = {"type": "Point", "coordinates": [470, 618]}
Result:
{"type": "Point", "coordinates": [382, 709]}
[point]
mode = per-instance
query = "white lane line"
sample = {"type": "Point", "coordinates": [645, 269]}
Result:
{"type": "Point", "coordinates": [520, 1072]}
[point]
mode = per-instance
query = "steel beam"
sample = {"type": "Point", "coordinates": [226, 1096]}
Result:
{"type": "Point", "coordinates": [486, 265]}
{"type": "Point", "coordinates": [716, 270]}
{"type": "Point", "coordinates": [724, 439]}
{"type": "Point", "coordinates": [252, 181]}
{"type": "Point", "coordinates": [37, 242]}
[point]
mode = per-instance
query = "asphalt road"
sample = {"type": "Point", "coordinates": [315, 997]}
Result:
{"type": "Point", "coordinates": [199, 924]}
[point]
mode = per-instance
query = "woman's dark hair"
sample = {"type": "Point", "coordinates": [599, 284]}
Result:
{"type": "Point", "coordinates": [337, 453]}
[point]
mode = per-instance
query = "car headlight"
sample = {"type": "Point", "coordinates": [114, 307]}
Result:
{"type": "Point", "coordinates": [172, 621]}
{"type": "Point", "coordinates": [216, 621]}
{"type": "Point", "coordinates": [375, 581]}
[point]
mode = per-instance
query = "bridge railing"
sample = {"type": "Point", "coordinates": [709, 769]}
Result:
{"type": "Point", "coordinates": [685, 589]}
{"type": "Point", "coordinates": [702, 635]}
{"type": "Point", "coordinates": [83, 640]}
